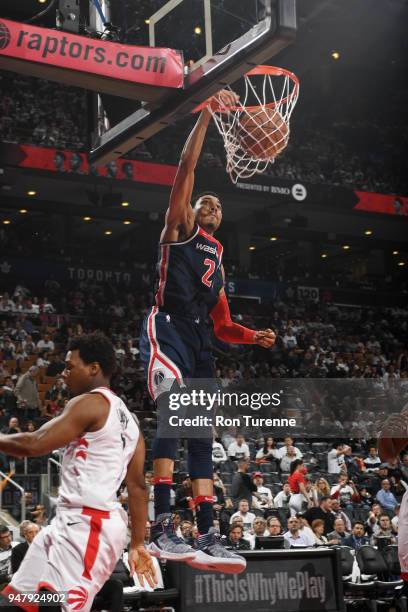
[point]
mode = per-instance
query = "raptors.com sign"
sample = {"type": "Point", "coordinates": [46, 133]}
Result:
{"type": "Point", "coordinates": [145, 65]}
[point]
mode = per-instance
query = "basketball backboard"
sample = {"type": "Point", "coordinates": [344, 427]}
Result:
{"type": "Point", "coordinates": [270, 27]}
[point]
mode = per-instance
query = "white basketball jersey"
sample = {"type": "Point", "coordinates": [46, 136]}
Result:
{"type": "Point", "coordinates": [95, 464]}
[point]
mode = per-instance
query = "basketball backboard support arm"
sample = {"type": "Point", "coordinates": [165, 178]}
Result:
{"type": "Point", "coordinates": [258, 45]}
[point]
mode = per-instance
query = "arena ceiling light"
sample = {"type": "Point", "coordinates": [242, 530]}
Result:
{"type": "Point", "coordinates": [6, 222]}
{"type": "Point", "coordinates": [127, 222]}
{"type": "Point", "coordinates": [400, 263]}
{"type": "Point", "coordinates": [23, 211]}
{"type": "Point", "coordinates": [108, 232]}
{"type": "Point", "coordinates": [252, 248]}
{"type": "Point", "coordinates": [345, 247]}
{"type": "Point", "coordinates": [395, 252]}
{"type": "Point", "coordinates": [31, 193]}
{"type": "Point", "coordinates": [323, 255]}
{"type": "Point", "coordinates": [87, 218]}
{"type": "Point", "coordinates": [335, 55]}
{"type": "Point", "coordinates": [197, 30]}
{"type": "Point", "coordinates": [368, 232]}
{"type": "Point", "coordinates": [125, 203]}
{"type": "Point", "coordinates": [273, 238]}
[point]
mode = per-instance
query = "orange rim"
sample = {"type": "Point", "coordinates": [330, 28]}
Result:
{"type": "Point", "coordinates": [259, 71]}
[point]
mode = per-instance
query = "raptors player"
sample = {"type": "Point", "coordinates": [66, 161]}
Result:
{"type": "Point", "coordinates": [77, 552]}
{"type": "Point", "coordinates": [393, 438]}
{"type": "Point", "coordinates": [175, 346]}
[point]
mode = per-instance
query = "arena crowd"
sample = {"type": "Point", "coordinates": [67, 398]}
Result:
{"type": "Point", "coordinates": [320, 150]}
{"type": "Point", "coordinates": [314, 491]}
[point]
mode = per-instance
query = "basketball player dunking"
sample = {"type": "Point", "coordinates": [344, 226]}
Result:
{"type": "Point", "coordinates": [78, 551]}
{"type": "Point", "coordinates": [175, 345]}
{"type": "Point", "coordinates": [393, 438]}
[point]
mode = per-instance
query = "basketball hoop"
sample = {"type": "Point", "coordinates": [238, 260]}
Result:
{"type": "Point", "coordinates": [257, 129]}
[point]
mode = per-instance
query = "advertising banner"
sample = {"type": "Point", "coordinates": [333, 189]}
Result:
{"type": "Point", "coordinates": [71, 162]}
{"type": "Point", "coordinates": [62, 160]}
{"type": "Point", "coordinates": [295, 191]}
{"type": "Point", "coordinates": [143, 65]}
{"type": "Point", "coordinates": [273, 581]}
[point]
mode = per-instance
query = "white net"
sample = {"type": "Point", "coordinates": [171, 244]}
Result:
{"type": "Point", "coordinates": [257, 129]}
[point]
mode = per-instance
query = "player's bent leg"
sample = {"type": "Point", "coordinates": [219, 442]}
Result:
{"type": "Point", "coordinates": [83, 547]}
{"type": "Point", "coordinates": [165, 543]}
{"type": "Point", "coordinates": [210, 554]}
{"type": "Point", "coordinates": [200, 468]}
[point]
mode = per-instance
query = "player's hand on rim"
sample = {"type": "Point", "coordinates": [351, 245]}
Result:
{"type": "Point", "coordinates": [141, 562]}
{"type": "Point", "coordinates": [225, 98]}
{"type": "Point", "coordinates": [265, 338]}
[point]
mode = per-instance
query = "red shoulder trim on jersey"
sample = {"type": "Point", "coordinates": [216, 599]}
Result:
{"type": "Point", "coordinates": [203, 233]}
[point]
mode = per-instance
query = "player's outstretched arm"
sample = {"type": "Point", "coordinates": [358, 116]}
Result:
{"type": "Point", "coordinates": [83, 413]}
{"type": "Point", "coordinates": [179, 221]}
{"type": "Point", "coordinates": [228, 331]}
{"type": "Point", "coordinates": [139, 558]}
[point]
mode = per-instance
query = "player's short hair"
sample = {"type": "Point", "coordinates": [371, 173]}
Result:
{"type": "Point", "coordinates": [206, 193]}
{"type": "Point", "coordinates": [95, 347]}
{"type": "Point", "coordinates": [4, 529]}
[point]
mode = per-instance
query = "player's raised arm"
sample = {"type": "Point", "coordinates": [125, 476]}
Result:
{"type": "Point", "coordinates": [179, 221]}
{"type": "Point", "coordinates": [83, 413]}
{"type": "Point", "coordinates": [228, 331]}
